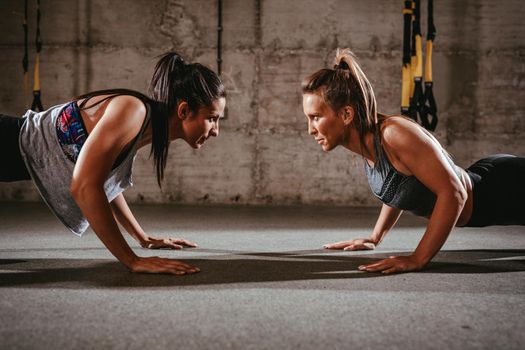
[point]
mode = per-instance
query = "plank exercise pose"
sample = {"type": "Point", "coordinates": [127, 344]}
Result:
{"type": "Point", "coordinates": [80, 154]}
{"type": "Point", "coordinates": [407, 168]}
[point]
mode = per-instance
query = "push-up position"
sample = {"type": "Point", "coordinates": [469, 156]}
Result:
{"type": "Point", "coordinates": [80, 154]}
{"type": "Point", "coordinates": [407, 168]}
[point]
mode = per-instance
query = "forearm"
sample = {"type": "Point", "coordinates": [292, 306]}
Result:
{"type": "Point", "coordinates": [445, 215]}
{"type": "Point", "coordinates": [386, 220]}
{"type": "Point", "coordinates": [126, 219]}
{"type": "Point", "coordinates": [95, 207]}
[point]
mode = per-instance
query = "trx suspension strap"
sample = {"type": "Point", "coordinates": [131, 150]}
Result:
{"type": "Point", "coordinates": [25, 60]}
{"type": "Point", "coordinates": [405, 87]}
{"type": "Point", "coordinates": [416, 63]}
{"type": "Point", "coordinates": [37, 103]}
{"type": "Point", "coordinates": [428, 114]}
{"type": "Point", "coordinates": [416, 103]}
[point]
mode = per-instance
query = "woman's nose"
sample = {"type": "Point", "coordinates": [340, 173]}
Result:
{"type": "Point", "coordinates": [215, 130]}
{"type": "Point", "coordinates": [310, 129]}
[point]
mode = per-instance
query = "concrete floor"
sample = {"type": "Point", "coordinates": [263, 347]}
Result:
{"type": "Point", "coordinates": [265, 284]}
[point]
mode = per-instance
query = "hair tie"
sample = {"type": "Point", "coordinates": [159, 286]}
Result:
{"type": "Point", "coordinates": [342, 65]}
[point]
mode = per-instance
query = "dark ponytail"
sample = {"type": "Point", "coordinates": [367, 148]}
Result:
{"type": "Point", "coordinates": [161, 89]}
{"type": "Point", "coordinates": [175, 80]}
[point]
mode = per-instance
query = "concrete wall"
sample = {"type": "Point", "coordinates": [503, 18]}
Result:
{"type": "Point", "coordinates": [264, 154]}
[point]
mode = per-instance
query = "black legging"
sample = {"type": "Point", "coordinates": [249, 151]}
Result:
{"type": "Point", "coordinates": [499, 191]}
{"type": "Point", "coordinates": [12, 166]}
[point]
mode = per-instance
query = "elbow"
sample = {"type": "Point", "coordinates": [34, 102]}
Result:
{"type": "Point", "coordinates": [79, 190]}
{"type": "Point", "coordinates": [457, 196]}
{"type": "Point", "coordinates": [461, 196]}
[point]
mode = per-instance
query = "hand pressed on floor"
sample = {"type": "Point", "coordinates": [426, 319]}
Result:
{"type": "Point", "coordinates": [394, 264]}
{"type": "Point", "coordinates": [353, 244]}
{"type": "Point", "coordinates": [155, 264]}
{"type": "Point", "coordinates": [171, 243]}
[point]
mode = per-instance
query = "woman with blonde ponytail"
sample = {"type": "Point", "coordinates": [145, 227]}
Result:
{"type": "Point", "coordinates": [407, 168]}
{"type": "Point", "coordinates": [80, 154]}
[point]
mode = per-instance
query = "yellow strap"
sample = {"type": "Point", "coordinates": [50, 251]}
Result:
{"type": "Point", "coordinates": [428, 62]}
{"type": "Point", "coordinates": [413, 62]}
{"type": "Point", "coordinates": [419, 57]}
{"type": "Point", "coordinates": [36, 85]}
{"type": "Point", "coordinates": [405, 87]}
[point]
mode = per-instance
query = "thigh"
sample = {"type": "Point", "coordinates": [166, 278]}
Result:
{"type": "Point", "coordinates": [12, 166]}
{"type": "Point", "coordinates": [500, 192]}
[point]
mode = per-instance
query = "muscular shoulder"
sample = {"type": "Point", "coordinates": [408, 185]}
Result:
{"type": "Point", "coordinates": [120, 123]}
{"type": "Point", "coordinates": [125, 114]}
{"type": "Point", "coordinates": [127, 107]}
{"type": "Point", "coordinates": [400, 134]}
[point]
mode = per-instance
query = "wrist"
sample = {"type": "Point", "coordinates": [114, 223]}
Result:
{"type": "Point", "coordinates": [376, 239]}
{"type": "Point", "coordinates": [420, 260]}
{"type": "Point", "coordinates": [130, 261]}
{"type": "Point", "coordinates": [143, 239]}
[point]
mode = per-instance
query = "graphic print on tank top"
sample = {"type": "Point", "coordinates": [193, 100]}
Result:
{"type": "Point", "coordinates": [71, 131]}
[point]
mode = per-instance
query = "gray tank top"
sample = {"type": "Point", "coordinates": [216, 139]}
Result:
{"type": "Point", "coordinates": [52, 171]}
{"type": "Point", "coordinates": [398, 190]}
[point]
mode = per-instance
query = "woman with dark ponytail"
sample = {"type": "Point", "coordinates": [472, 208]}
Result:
{"type": "Point", "coordinates": [407, 168]}
{"type": "Point", "coordinates": [80, 154]}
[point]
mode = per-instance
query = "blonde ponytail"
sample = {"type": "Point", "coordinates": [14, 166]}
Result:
{"type": "Point", "coordinates": [346, 60]}
{"type": "Point", "coordinates": [347, 85]}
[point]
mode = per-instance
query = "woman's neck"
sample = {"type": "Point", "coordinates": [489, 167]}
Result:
{"type": "Point", "coordinates": [175, 132]}
{"type": "Point", "coordinates": [353, 143]}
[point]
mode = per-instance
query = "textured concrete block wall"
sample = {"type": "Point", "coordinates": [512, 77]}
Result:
{"type": "Point", "coordinates": [264, 154]}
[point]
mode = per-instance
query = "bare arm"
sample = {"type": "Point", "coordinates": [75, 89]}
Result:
{"type": "Point", "coordinates": [121, 122]}
{"type": "Point", "coordinates": [424, 158]}
{"type": "Point", "coordinates": [126, 219]}
{"type": "Point", "coordinates": [386, 220]}
{"type": "Point", "coordinates": [94, 205]}
{"type": "Point", "coordinates": [446, 212]}
{"type": "Point", "coordinates": [444, 217]}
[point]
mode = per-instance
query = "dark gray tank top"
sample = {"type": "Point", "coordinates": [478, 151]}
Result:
{"type": "Point", "coordinates": [51, 170]}
{"type": "Point", "coordinates": [398, 190]}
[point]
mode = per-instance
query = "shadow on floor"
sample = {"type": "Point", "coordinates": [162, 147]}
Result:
{"type": "Point", "coordinates": [242, 267]}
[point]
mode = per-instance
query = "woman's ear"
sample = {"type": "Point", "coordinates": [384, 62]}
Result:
{"type": "Point", "coordinates": [348, 115]}
{"type": "Point", "coordinates": [183, 110]}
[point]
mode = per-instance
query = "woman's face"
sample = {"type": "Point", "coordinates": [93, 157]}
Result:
{"type": "Point", "coordinates": [199, 126]}
{"type": "Point", "coordinates": [324, 124]}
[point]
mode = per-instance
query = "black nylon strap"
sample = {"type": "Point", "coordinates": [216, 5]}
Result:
{"type": "Point", "coordinates": [431, 29]}
{"type": "Point", "coordinates": [36, 105]}
{"type": "Point", "coordinates": [428, 111]}
{"type": "Point", "coordinates": [25, 60]}
{"type": "Point", "coordinates": [407, 18]}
